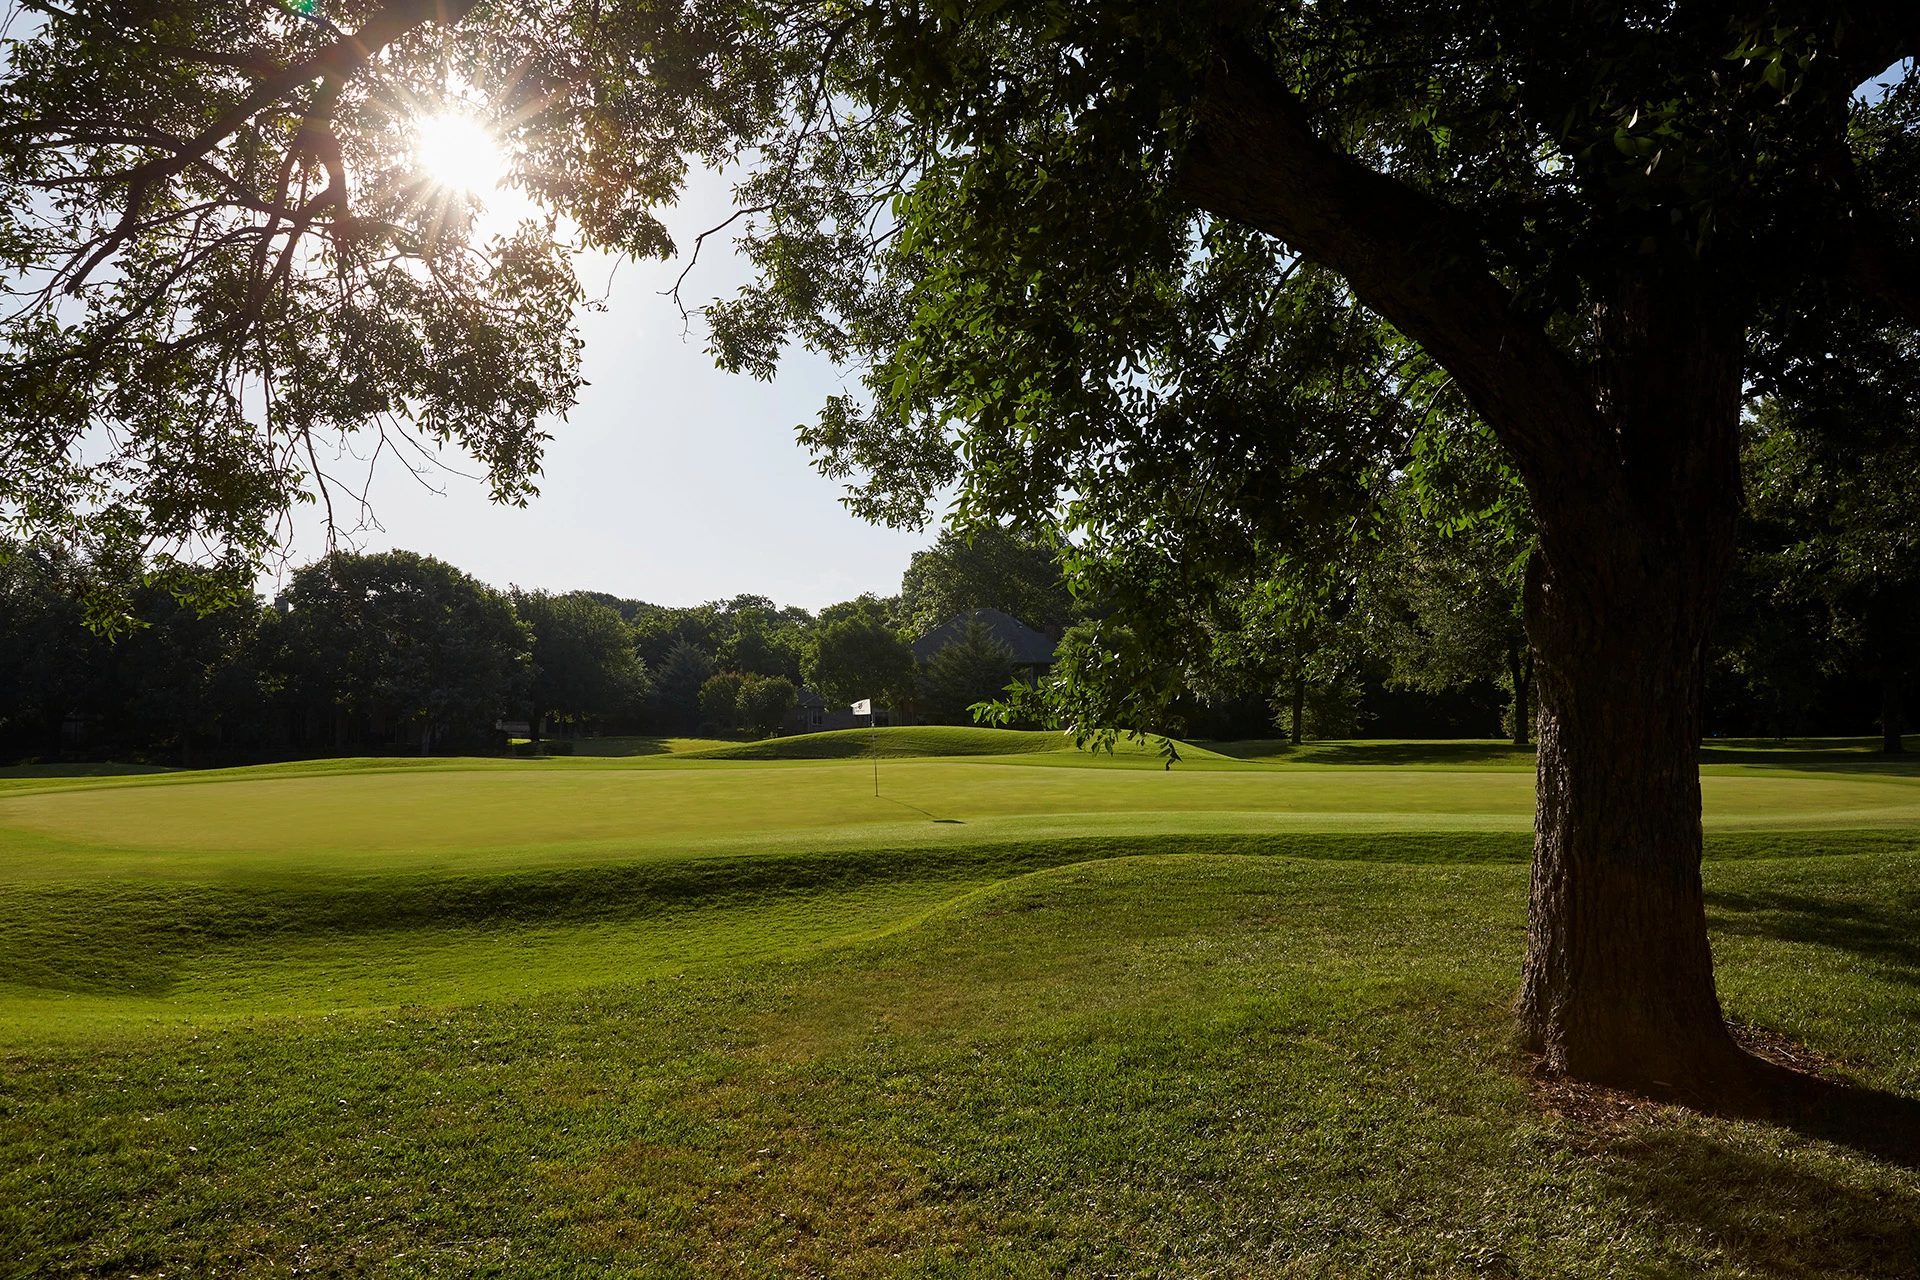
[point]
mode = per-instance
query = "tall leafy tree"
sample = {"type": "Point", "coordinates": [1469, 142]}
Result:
{"type": "Point", "coordinates": [1093, 260]}
{"type": "Point", "coordinates": [1293, 635]}
{"type": "Point", "coordinates": [1830, 464]}
{"type": "Point", "coordinates": [407, 639]}
{"type": "Point", "coordinates": [761, 639]}
{"type": "Point", "coordinates": [985, 568]}
{"type": "Point", "coordinates": [677, 686]}
{"type": "Point", "coordinates": [763, 702]}
{"type": "Point", "coordinates": [858, 655]}
{"type": "Point", "coordinates": [1443, 587]}
{"type": "Point", "coordinates": [1446, 612]}
{"type": "Point", "coordinates": [971, 669]}
{"type": "Point", "coordinates": [658, 630]}
{"type": "Point", "coordinates": [183, 676]}
{"type": "Point", "coordinates": [584, 663]}
{"type": "Point", "coordinates": [47, 654]}
{"type": "Point", "coordinates": [720, 702]}
{"type": "Point", "coordinates": [1098, 295]}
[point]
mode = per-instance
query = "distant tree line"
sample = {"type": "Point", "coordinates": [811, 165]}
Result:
{"type": "Point", "coordinates": [1414, 632]}
{"type": "Point", "coordinates": [399, 651]}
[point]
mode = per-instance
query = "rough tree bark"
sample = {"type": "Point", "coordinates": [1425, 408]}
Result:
{"type": "Point", "coordinates": [1618, 981]}
{"type": "Point", "coordinates": [1632, 463]}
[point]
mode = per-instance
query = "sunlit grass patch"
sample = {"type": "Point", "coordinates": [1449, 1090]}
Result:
{"type": "Point", "coordinates": [1064, 1037]}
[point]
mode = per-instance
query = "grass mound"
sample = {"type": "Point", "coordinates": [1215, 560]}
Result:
{"type": "Point", "coordinates": [1130, 1066]}
{"type": "Point", "coordinates": [933, 740]}
{"type": "Point", "coordinates": [895, 741]}
{"type": "Point", "coordinates": [1383, 752]}
{"type": "Point", "coordinates": [1093, 1019]}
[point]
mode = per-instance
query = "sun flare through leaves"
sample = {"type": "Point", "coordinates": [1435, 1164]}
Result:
{"type": "Point", "coordinates": [458, 153]}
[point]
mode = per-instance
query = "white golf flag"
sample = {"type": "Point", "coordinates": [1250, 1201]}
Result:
{"type": "Point", "coordinates": [864, 707]}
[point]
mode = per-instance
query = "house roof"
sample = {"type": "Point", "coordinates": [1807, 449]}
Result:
{"type": "Point", "coordinates": [1030, 647]}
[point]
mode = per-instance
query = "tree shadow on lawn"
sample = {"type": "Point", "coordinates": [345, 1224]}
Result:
{"type": "Point", "coordinates": [1363, 752]}
{"type": "Point", "coordinates": [1770, 1214]}
{"type": "Point", "coordinates": [1770, 1205]}
{"type": "Point", "coordinates": [1810, 755]}
{"type": "Point", "coordinates": [1795, 1086]}
{"type": "Point", "coordinates": [1887, 934]}
{"type": "Point", "coordinates": [1874, 1122]}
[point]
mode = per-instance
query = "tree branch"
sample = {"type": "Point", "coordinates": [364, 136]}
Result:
{"type": "Point", "coordinates": [1256, 160]}
{"type": "Point", "coordinates": [338, 61]}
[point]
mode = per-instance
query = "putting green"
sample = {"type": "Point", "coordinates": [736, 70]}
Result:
{"type": "Point", "coordinates": [446, 815]}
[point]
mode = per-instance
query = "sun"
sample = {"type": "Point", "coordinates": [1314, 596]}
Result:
{"type": "Point", "coordinates": [459, 154]}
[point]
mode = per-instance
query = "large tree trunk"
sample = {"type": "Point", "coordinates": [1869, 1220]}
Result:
{"type": "Point", "coordinates": [1618, 982]}
{"type": "Point", "coordinates": [1628, 439]}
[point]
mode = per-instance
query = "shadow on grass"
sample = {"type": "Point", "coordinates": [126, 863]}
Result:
{"type": "Point", "coordinates": [1377, 753]}
{"type": "Point", "coordinates": [132, 936]}
{"type": "Point", "coordinates": [1884, 933]}
{"type": "Point", "coordinates": [1848, 755]}
{"type": "Point", "coordinates": [1880, 1124]}
{"type": "Point", "coordinates": [1812, 755]}
{"type": "Point", "coordinates": [82, 770]}
{"type": "Point", "coordinates": [1769, 1214]}
{"type": "Point", "coordinates": [620, 747]}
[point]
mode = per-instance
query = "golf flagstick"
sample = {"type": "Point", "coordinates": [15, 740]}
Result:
{"type": "Point", "coordinates": [864, 707]}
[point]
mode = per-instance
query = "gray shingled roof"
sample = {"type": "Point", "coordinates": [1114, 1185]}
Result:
{"type": "Point", "coordinates": [1029, 647]}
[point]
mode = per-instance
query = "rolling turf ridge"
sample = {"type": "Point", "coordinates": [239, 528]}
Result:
{"type": "Point", "coordinates": [701, 1009]}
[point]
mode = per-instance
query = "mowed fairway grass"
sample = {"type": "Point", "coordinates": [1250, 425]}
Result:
{"type": "Point", "coordinates": [724, 1012]}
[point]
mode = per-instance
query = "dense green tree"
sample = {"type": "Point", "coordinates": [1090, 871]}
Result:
{"type": "Point", "coordinates": [1832, 467]}
{"type": "Point", "coordinates": [859, 655]}
{"type": "Point", "coordinates": [720, 702]}
{"type": "Point", "coordinates": [1102, 283]}
{"type": "Point", "coordinates": [677, 684]}
{"type": "Point", "coordinates": [1442, 596]}
{"type": "Point", "coordinates": [747, 633]}
{"type": "Point", "coordinates": [658, 630]}
{"type": "Point", "coordinates": [1446, 611]}
{"type": "Point", "coordinates": [584, 663]}
{"type": "Point", "coordinates": [972, 668]}
{"type": "Point", "coordinates": [885, 610]}
{"type": "Point", "coordinates": [763, 703]}
{"type": "Point", "coordinates": [762, 640]}
{"type": "Point", "coordinates": [1081, 254]}
{"type": "Point", "coordinates": [985, 568]}
{"type": "Point", "coordinates": [47, 654]}
{"type": "Point", "coordinates": [182, 676]}
{"type": "Point", "coordinates": [1294, 635]}
{"type": "Point", "coordinates": [406, 639]}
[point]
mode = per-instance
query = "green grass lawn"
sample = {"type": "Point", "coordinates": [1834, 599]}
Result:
{"type": "Point", "coordinates": [697, 1013]}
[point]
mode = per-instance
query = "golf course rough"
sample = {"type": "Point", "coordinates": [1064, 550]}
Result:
{"type": "Point", "coordinates": [1028, 1012]}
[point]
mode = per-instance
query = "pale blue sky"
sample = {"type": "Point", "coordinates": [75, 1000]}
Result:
{"type": "Point", "coordinates": [671, 481]}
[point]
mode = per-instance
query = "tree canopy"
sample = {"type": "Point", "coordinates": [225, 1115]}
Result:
{"type": "Point", "coordinates": [584, 662]}
{"type": "Point", "coordinates": [409, 638]}
{"type": "Point", "coordinates": [1831, 462]}
{"type": "Point", "coordinates": [857, 654]}
{"type": "Point", "coordinates": [985, 568]}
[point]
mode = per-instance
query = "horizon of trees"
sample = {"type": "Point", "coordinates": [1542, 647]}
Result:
{"type": "Point", "coordinates": [397, 650]}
